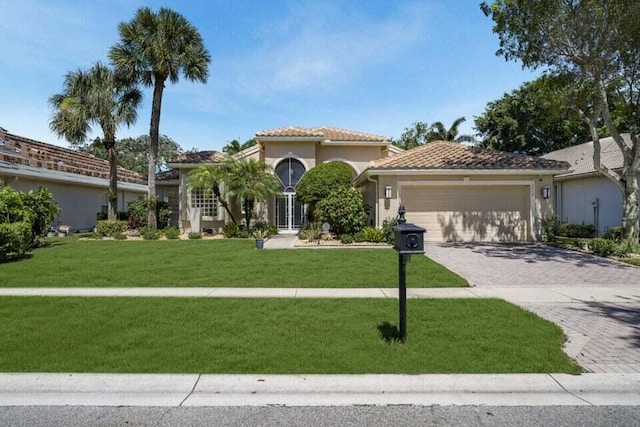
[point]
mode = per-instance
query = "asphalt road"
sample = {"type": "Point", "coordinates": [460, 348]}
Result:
{"type": "Point", "coordinates": [322, 416]}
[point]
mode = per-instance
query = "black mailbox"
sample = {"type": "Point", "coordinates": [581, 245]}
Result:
{"type": "Point", "coordinates": [409, 238]}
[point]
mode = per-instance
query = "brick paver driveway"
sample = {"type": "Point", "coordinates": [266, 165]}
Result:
{"type": "Point", "coordinates": [603, 333]}
{"type": "Point", "coordinates": [514, 265]}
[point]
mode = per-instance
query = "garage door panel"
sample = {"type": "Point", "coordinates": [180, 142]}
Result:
{"type": "Point", "coordinates": [469, 213]}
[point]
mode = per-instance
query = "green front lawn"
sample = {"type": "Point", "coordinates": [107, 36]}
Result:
{"type": "Point", "coordinates": [214, 263]}
{"type": "Point", "coordinates": [292, 336]}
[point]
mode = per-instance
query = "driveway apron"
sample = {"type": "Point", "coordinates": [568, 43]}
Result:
{"type": "Point", "coordinates": [603, 335]}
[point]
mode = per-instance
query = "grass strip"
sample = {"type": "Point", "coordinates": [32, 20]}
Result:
{"type": "Point", "coordinates": [213, 263]}
{"type": "Point", "coordinates": [277, 336]}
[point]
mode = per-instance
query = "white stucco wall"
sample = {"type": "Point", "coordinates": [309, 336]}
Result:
{"type": "Point", "coordinates": [79, 203]}
{"type": "Point", "coordinates": [576, 197]}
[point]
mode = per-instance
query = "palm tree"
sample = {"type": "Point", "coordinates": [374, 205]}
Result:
{"type": "Point", "coordinates": [251, 181]}
{"type": "Point", "coordinates": [96, 97]}
{"type": "Point", "coordinates": [155, 47]}
{"type": "Point", "coordinates": [211, 178]}
{"type": "Point", "coordinates": [234, 147]}
{"type": "Point", "coordinates": [438, 132]}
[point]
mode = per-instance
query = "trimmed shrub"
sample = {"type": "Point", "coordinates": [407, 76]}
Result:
{"type": "Point", "coordinates": [551, 227]}
{"type": "Point", "coordinates": [359, 237]}
{"type": "Point", "coordinates": [319, 181]}
{"type": "Point", "coordinates": [172, 233]}
{"type": "Point", "coordinates": [149, 234]}
{"type": "Point", "coordinates": [194, 235]}
{"type": "Point", "coordinates": [373, 235]}
{"type": "Point", "coordinates": [346, 238]}
{"type": "Point", "coordinates": [343, 210]}
{"type": "Point", "coordinates": [231, 230]}
{"type": "Point", "coordinates": [120, 236]}
{"type": "Point", "coordinates": [604, 247]}
{"type": "Point", "coordinates": [387, 229]}
{"type": "Point", "coordinates": [614, 233]}
{"type": "Point", "coordinates": [577, 230]}
{"type": "Point", "coordinates": [15, 240]}
{"type": "Point", "coordinates": [108, 228]}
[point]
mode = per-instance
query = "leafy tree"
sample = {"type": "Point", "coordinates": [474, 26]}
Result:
{"type": "Point", "coordinates": [343, 209]}
{"type": "Point", "coordinates": [251, 181]}
{"type": "Point", "coordinates": [235, 146]}
{"type": "Point", "coordinates": [211, 178]}
{"type": "Point", "coordinates": [438, 132]}
{"type": "Point", "coordinates": [413, 136]}
{"type": "Point", "coordinates": [593, 45]}
{"type": "Point", "coordinates": [531, 119]}
{"type": "Point", "coordinates": [420, 133]}
{"type": "Point", "coordinates": [319, 181]}
{"type": "Point", "coordinates": [154, 48]}
{"type": "Point", "coordinates": [133, 153]}
{"type": "Point", "coordinates": [96, 97]}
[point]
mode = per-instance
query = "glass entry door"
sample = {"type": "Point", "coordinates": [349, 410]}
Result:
{"type": "Point", "coordinates": [289, 213]}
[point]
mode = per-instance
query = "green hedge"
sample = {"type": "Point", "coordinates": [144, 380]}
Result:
{"type": "Point", "coordinates": [577, 230]}
{"type": "Point", "coordinates": [15, 240]}
{"type": "Point", "coordinates": [110, 228]}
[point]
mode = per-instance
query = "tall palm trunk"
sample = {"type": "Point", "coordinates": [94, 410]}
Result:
{"type": "Point", "coordinates": [153, 151]}
{"type": "Point", "coordinates": [112, 196]}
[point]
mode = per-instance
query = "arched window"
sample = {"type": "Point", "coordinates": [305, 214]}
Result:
{"type": "Point", "coordinates": [289, 172]}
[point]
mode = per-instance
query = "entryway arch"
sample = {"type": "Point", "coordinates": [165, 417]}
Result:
{"type": "Point", "coordinates": [289, 213]}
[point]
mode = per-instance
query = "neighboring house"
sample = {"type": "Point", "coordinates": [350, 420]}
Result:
{"type": "Point", "coordinates": [584, 195]}
{"type": "Point", "coordinates": [79, 182]}
{"type": "Point", "coordinates": [457, 192]}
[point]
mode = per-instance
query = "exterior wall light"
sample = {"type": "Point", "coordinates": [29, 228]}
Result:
{"type": "Point", "coordinates": [545, 192]}
{"type": "Point", "coordinates": [387, 192]}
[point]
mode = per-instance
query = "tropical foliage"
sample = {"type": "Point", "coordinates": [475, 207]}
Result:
{"type": "Point", "coordinates": [235, 146]}
{"type": "Point", "coordinates": [153, 48]}
{"type": "Point", "coordinates": [24, 218]}
{"type": "Point", "coordinates": [531, 119]}
{"type": "Point", "coordinates": [248, 180]}
{"type": "Point", "coordinates": [133, 153]}
{"type": "Point", "coordinates": [593, 47]}
{"type": "Point", "coordinates": [420, 133]}
{"type": "Point", "coordinates": [96, 97]}
{"type": "Point", "coordinates": [343, 209]}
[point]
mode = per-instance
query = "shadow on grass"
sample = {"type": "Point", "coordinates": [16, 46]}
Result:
{"type": "Point", "coordinates": [389, 332]}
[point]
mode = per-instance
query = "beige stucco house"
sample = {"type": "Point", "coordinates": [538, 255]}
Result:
{"type": "Point", "coordinates": [79, 182]}
{"type": "Point", "coordinates": [455, 191]}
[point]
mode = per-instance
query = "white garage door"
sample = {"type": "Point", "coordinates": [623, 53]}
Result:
{"type": "Point", "coordinates": [469, 213]}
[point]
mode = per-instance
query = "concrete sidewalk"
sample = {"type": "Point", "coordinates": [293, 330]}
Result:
{"type": "Point", "coordinates": [517, 295]}
{"type": "Point", "coordinates": [173, 390]}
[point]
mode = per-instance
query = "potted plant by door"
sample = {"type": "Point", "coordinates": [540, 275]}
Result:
{"type": "Point", "coordinates": [259, 235]}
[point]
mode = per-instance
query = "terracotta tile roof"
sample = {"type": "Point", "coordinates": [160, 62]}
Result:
{"type": "Point", "coordinates": [330, 133]}
{"type": "Point", "coordinates": [580, 157]}
{"type": "Point", "coordinates": [24, 151]}
{"type": "Point", "coordinates": [199, 157]}
{"type": "Point", "coordinates": [452, 155]}
{"type": "Point", "coordinates": [169, 175]}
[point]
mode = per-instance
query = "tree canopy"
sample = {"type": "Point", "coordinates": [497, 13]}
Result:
{"type": "Point", "coordinates": [421, 132]}
{"type": "Point", "coordinates": [593, 46]}
{"type": "Point", "coordinates": [133, 153]}
{"type": "Point", "coordinates": [531, 119]}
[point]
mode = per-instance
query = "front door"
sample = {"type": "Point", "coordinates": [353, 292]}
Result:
{"type": "Point", "coordinates": [289, 213]}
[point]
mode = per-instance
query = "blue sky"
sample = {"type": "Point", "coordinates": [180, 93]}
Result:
{"type": "Point", "coordinates": [373, 66]}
